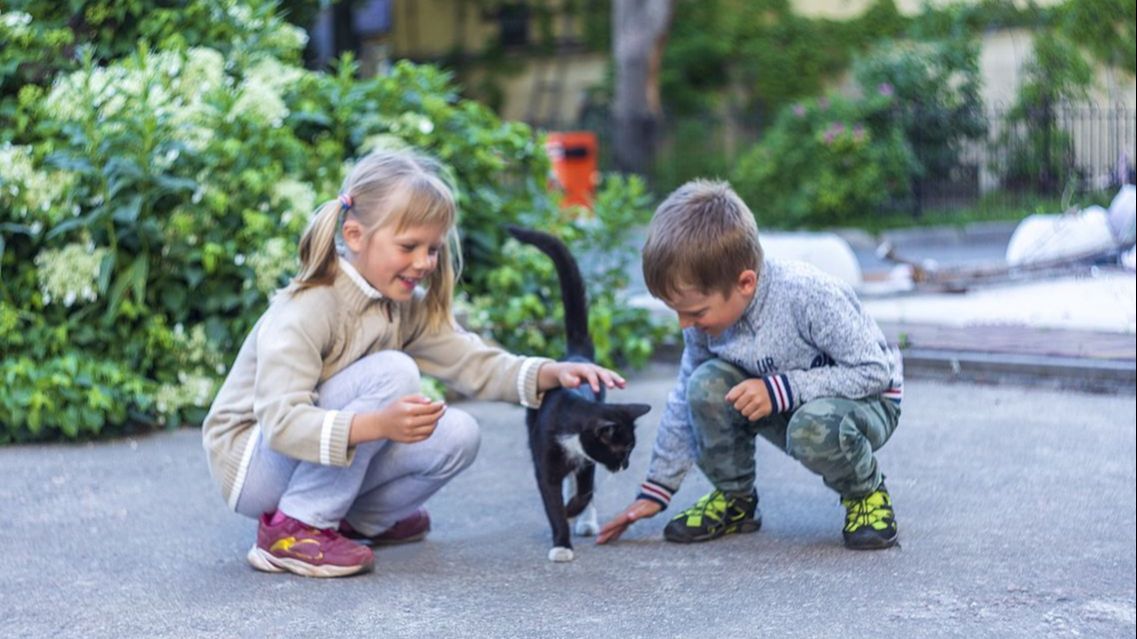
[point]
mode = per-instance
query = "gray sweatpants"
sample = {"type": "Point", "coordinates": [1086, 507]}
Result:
{"type": "Point", "coordinates": [833, 437]}
{"type": "Point", "coordinates": [386, 481]}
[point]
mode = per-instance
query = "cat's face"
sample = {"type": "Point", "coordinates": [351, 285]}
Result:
{"type": "Point", "coordinates": [610, 435]}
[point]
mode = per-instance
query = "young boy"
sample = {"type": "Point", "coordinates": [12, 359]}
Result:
{"type": "Point", "coordinates": [779, 350]}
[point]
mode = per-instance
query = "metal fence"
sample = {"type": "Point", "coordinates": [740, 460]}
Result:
{"type": "Point", "coordinates": [1063, 154]}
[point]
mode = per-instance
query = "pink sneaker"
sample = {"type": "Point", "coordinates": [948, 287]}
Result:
{"type": "Point", "coordinates": [293, 546]}
{"type": "Point", "coordinates": [406, 530]}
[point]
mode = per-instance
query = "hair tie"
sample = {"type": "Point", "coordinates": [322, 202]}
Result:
{"type": "Point", "coordinates": [345, 201]}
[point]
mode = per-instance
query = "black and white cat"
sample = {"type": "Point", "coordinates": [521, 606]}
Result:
{"type": "Point", "coordinates": [574, 429]}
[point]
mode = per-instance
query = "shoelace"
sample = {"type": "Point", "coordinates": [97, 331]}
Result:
{"type": "Point", "coordinates": [327, 534]}
{"type": "Point", "coordinates": [705, 504]}
{"type": "Point", "coordinates": [863, 512]}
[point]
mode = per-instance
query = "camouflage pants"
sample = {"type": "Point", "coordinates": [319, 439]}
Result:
{"type": "Point", "coordinates": [833, 437]}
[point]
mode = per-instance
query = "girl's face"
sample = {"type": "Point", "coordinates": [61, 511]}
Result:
{"type": "Point", "coordinates": [394, 263]}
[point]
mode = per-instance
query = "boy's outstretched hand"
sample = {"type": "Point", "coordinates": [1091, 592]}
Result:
{"type": "Point", "coordinates": [640, 509]}
{"type": "Point", "coordinates": [573, 374]}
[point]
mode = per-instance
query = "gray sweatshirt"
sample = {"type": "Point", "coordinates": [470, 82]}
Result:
{"type": "Point", "coordinates": [805, 335]}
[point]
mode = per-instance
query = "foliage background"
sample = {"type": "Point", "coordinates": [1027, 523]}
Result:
{"type": "Point", "coordinates": [734, 70]}
{"type": "Point", "coordinates": [153, 196]}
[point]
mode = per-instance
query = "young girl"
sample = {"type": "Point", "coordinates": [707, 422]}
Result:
{"type": "Point", "coordinates": [320, 430]}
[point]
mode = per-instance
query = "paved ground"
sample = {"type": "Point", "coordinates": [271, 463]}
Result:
{"type": "Point", "coordinates": [1017, 511]}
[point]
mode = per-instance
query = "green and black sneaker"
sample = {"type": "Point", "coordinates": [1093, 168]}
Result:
{"type": "Point", "coordinates": [870, 523]}
{"type": "Point", "coordinates": [714, 515]}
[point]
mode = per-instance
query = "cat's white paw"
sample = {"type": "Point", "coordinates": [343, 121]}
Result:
{"type": "Point", "coordinates": [560, 554]}
{"type": "Point", "coordinates": [586, 524]}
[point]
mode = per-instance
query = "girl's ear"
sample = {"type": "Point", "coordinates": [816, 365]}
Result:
{"type": "Point", "coordinates": [353, 234]}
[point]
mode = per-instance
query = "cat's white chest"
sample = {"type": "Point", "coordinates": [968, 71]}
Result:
{"type": "Point", "coordinates": [572, 448]}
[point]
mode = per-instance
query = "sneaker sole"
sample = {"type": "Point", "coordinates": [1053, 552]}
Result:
{"type": "Point", "coordinates": [742, 527]}
{"type": "Point", "coordinates": [396, 542]}
{"type": "Point", "coordinates": [267, 562]}
{"type": "Point", "coordinates": [873, 544]}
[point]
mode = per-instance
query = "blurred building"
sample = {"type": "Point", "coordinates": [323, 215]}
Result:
{"type": "Point", "coordinates": [534, 61]}
{"type": "Point", "coordinates": [537, 61]}
{"type": "Point", "coordinates": [1003, 51]}
{"type": "Point", "coordinates": [543, 61]}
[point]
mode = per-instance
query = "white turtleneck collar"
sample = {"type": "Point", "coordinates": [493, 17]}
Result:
{"type": "Point", "coordinates": [359, 281]}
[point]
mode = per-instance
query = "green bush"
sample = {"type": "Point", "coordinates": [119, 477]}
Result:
{"type": "Point", "coordinates": [522, 308]}
{"type": "Point", "coordinates": [845, 161]}
{"type": "Point", "coordinates": [827, 162]}
{"type": "Point", "coordinates": [151, 203]}
{"type": "Point", "coordinates": [937, 103]}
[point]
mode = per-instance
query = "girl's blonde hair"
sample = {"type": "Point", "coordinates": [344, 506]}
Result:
{"type": "Point", "coordinates": [391, 187]}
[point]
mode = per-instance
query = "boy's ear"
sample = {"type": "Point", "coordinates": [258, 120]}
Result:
{"type": "Point", "coordinates": [747, 282]}
{"type": "Point", "coordinates": [353, 235]}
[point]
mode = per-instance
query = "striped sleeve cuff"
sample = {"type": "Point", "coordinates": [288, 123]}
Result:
{"type": "Point", "coordinates": [781, 396]}
{"type": "Point", "coordinates": [658, 493]}
{"type": "Point", "coordinates": [894, 394]}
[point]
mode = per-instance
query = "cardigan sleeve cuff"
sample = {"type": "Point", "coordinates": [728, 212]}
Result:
{"type": "Point", "coordinates": [658, 493]}
{"type": "Point", "coordinates": [527, 382]}
{"type": "Point", "coordinates": [334, 449]}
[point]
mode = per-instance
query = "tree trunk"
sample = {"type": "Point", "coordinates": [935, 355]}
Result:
{"type": "Point", "coordinates": [639, 32]}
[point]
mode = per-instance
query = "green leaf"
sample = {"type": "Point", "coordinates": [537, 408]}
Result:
{"type": "Point", "coordinates": [174, 184]}
{"type": "Point", "coordinates": [68, 162]}
{"type": "Point", "coordinates": [133, 277]}
{"type": "Point", "coordinates": [106, 268]}
{"type": "Point", "coordinates": [128, 212]}
{"type": "Point", "coordinates": [139, 271]}
{"type": "Point", "coordinates": [173, 298]}
{"type": "Point", "coordinates": [66, 226]}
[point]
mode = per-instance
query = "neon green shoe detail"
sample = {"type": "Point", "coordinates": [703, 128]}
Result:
{"type": "Point", "coordinates": [870, 523]}
{"type": "Point", "coordinates": [714, 515]}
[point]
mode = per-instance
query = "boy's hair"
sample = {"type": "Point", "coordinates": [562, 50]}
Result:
{"type": "Point", "coordinates": [402, 188]}
{"type": "Point", "coordinates": [703, 236]}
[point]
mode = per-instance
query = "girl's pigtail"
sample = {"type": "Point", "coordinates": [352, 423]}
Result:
{"type": "Point", "coordinates": [318, 248]}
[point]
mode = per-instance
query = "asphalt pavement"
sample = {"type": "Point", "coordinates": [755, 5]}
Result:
{"type": "Point", "coordinates": [1015, 497]}
{"type": "Point", "coordinates": [1016, 510]}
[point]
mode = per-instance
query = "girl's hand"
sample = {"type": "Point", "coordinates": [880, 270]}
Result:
{"type": "Point", "coordinates": [573, 374]}
{"type": "Point", "coordinates": [751, 399]}
{"type": "Point", "coordinates": [406, 420]}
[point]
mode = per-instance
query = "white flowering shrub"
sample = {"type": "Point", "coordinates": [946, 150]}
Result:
{"type": "Point", "coordinates": [152, 194]}
{"type": "Point", "coordinates": [69, 275]}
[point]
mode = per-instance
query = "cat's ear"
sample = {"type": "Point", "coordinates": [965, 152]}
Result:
{"type": "Point", "coordinates": [635, 411]}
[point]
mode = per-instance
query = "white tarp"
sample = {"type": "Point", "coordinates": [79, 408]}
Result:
{"type": "Point", "coordinates": [827, 251]}
{"type": "Point", "coordinates": [1047, 237]}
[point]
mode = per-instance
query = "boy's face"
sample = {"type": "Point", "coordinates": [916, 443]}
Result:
{"type": "Point", "coordinates": [713, 312]}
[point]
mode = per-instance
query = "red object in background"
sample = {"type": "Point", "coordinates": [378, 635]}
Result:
{"type": "Point", "coordinates": [573, 154]}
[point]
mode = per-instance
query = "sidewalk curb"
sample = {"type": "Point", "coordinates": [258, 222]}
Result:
{"type": "Point", "coordinates": [1038, 371]}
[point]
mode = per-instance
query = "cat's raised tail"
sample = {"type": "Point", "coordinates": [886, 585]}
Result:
{"type": "Point", "coordinates": [573, 295]}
